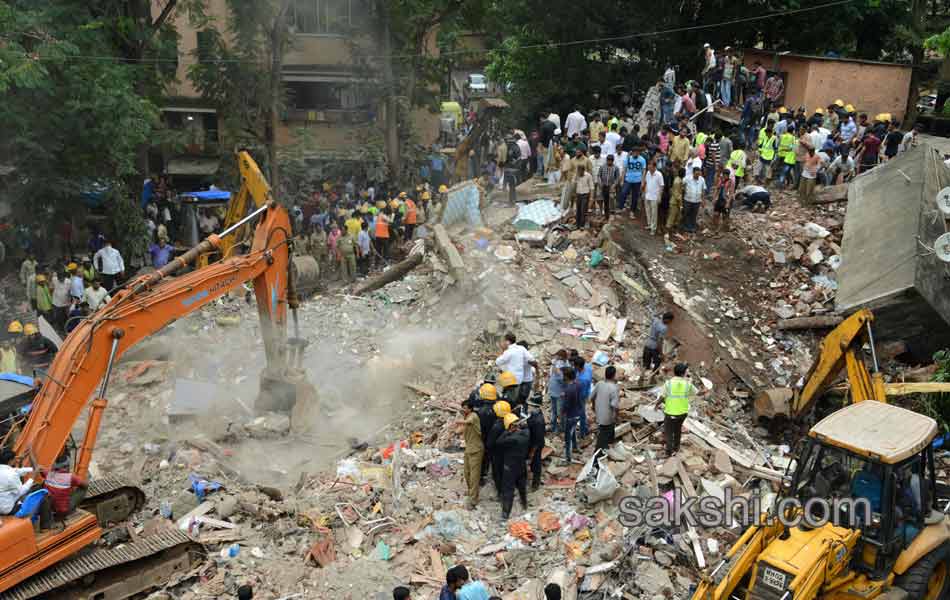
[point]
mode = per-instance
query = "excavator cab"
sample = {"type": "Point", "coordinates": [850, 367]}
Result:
{"type": "Point", "coordinates": [857, 518]}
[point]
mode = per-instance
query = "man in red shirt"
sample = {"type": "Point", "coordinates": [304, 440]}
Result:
{"type": "Point", "coordinates": [61, 483]}
{"type": "Point", "coordinates": [869, 153]}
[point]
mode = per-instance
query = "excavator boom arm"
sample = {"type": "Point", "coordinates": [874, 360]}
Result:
{"type": "Point", "coordinates": [143, 307]}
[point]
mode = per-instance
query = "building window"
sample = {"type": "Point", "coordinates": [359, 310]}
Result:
{"type": "Point", "coordinates": [326, 17]}
{"type": "Point", "coordinates": [305, 95]}
{"type": "Point", "coordinates": [205, 44]}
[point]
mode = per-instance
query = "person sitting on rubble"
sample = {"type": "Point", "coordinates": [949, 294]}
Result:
{"type": "Point", "coordinates": [66, 490]}
{"type": "Point", "coordinates": [455, 578]}
{"type": "Point", "coordinates": [12, 488]}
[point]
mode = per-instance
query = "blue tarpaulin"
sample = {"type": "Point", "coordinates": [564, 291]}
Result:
{"type": "Point", "coordinates": [23, 379]}
{"type": "Point", "coordinates": [209, 195]}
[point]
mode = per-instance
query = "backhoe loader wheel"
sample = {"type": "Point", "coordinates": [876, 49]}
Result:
{"type": "Point", "coordinates": [929, 578]}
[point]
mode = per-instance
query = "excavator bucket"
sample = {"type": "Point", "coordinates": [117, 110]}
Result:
{"type": "Point", "coordinates": [291, 394]}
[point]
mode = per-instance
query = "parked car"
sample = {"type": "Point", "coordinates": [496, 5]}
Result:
{"type": "Point", "coordinates": [477, 85]}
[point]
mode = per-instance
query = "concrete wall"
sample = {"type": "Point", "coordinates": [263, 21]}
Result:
{"type": "Point", "coordinates": [817, 82]}
{"type": "Point", "coordinates": [188, 42]}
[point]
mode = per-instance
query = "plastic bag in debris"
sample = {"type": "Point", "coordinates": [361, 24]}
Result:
{"type": "Point", "coordinates": [202, 487]}
{"type": "Point", "coordinates": [815, 230]}
{"type": "Point", "coordinates": [598, 485]}
{"type": "Point", "coordinates": [596, 257]}
{"type": "Point", "coordinates": [600, 358]}
{"type": "Point", "coordinates": [448, 524]}
{"type": "Point", "coordinates": [348, 468]}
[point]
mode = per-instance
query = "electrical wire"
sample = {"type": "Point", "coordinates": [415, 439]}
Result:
{"type": "Point", "coordinates": [544, 45]}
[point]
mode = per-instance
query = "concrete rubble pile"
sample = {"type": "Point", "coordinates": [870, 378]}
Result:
{"type": "Point", "coordinates": [375, 498]}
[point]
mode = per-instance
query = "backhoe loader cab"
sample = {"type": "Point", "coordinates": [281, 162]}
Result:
{"type": "Point", "coordinates": [860, 518]}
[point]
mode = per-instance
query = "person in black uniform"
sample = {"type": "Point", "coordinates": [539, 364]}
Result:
{"type": "Point", "coordinates": [485, 399]}
{"type": "Point", "coordinates": [536, 427]}
{"type": "Point", "coordinates": [492, 449]}
{"type": "Point", "coordinates": [36, 350]}
{"type": "Point", "coordinates": [513, 445]}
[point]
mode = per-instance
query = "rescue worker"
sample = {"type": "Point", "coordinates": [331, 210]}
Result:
{"type": "Point", "coordinates": [510, 389]}
{"type": "Point", "coordinates": [675, 396]}
{"type": "Point", "coordinates": [786, 153]}
{"type": "Point", "coordinates": [484, 399]}
{"type": "Point", "coordinates": [317, 242]}
{"type": "Point", "coordinates": [412, 216]}
{"type": "Point", "coordinates": [383, 219]}
{"type": "Point", "coordinates": [501, 410]}
{"type": "Point", "coordinates": [8, 358]}
{"type": "Point", "coordinates": [767, 145]}
{"type": "Point", "coordinates": [348, 250]}
{"type": "Point", "coordinates": [513, 445]}
{"type": "Point", "coordinates": [536, 428]}
{"type": "Point", "coordinates": [35, 349]}
{"type": "Point", "coordinates": [87, 271]}
{"type": "Point", "coordinates": [474, 452]}
{"type": "Point", "coordinates": [44, 298]}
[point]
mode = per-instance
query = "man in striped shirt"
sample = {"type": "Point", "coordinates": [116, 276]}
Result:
{"type": "Point", "coordinates": [711, 162]}
{"type": "Point", "coordinates": [608, 177]}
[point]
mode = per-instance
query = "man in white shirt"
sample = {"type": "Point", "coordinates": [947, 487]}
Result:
{"type": "Point", "coordinates": [575, 123]}
{"type": "Point", "coordinates": [512, 357]}
{"type": "Point", "coordinates": [109, 263]}
{"type": "Point", "coordinates": [611, 141]}
{"type": "Point", "coordinates": [11, 486]}
{"type": "Point", "coordinates": [555, 118]}
{"type": "Point", "coordinates": [694, 190]}
{"type": "Point", "coordinates": [61, 301]}
{"type": "Point", "coordinates": [910, 139]}
{"type": "Point", "coordinates": [95, 296]}
{"type": "Point", "coordinates": [652, 190]}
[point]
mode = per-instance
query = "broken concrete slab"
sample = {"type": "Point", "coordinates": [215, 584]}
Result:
{"type": "Point", "coordinates": [557, 308]}
{"type": "Point", "coordinates": [449, 252]}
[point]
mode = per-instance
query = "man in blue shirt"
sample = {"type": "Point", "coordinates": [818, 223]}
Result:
{"type": "Point", "coordinates": [573, 409]}
{"type": "Point", "coordinates": [455, 578]}
{"type": "Point", "coordinates": [634, 166]}
{"type": "Point", "coordinates": [585, 380]}
{"type": "Point", "coordinates": [161, 253]}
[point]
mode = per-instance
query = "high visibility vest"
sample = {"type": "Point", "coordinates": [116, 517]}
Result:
{"type": "Point", "coordinates": [766, 146]}
{"type": "Point", "coordinates": [737, 162]}
{"type": "Point", "coordinates": [382, 226]}
{"type": "Point", "coordinates": [786, 148]}
{"type": "Point", "coordinates": [677, 396]}
{"type": "Point", "coordinates": [410, 218]}
{"type": "Point", "coordinates": [700, 138]}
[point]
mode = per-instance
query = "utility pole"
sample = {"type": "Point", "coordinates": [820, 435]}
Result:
{"type": "Point", "coordinates": [917, 12]}
{"type": "Point", "coordinates": [278, 42]}
{"type": "Point", "coordinates": [390, 105]}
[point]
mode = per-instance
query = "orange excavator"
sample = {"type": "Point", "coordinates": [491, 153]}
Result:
{"type": "Point", "coordinates": [38, 563]}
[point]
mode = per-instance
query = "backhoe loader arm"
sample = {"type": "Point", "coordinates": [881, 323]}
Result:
{"type": "Point", "coordinates": [143, 307]}
{"type": "Point", "coordinates": [839, 350]}
{"type": "Point", "coordinates": [256, 189]}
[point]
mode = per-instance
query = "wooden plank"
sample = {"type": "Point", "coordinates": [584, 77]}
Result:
{"type": "Point", "coordinates": [708, 436]}
{"type": "Point", "coordinates": [438, 569]}
{"type": "Point", "coordinates": [697, 547]}
{"type": "Point", "coordinates": [654, 484]}
{"type": "Point", "coordinates": [198, 511]}
{"type": "Point", "coordinates": [221, 537]}
{"type": "Point", "coordinates": [902, 389]}
{"type": "Point", "coordinates": [684, 479]}
{"type": "Point", "coordinates": [218, 523]}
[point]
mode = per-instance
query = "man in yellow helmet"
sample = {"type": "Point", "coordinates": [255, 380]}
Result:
{"type": "Point", "coordinates": [514, 445]}
{"type": "Point", "coordinates": [676, 393]}
{"type": "Point", "coordinates": [8, 357]}
{"type": "Point", "coordinates": [501, 409]}
{"type": "Point", "coordinates": [35, 350]}
{"type": "Point", "coordinates": [474, 451]}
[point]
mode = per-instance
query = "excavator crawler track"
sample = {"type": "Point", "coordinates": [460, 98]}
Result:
{"type": "Point", "coordinates": [112, 499]}
{"type": "Point", "coordinates": [118, 572]}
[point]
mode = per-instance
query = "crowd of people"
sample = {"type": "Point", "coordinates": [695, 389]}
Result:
{"type": "Point", "coordinates": [671, 165]}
